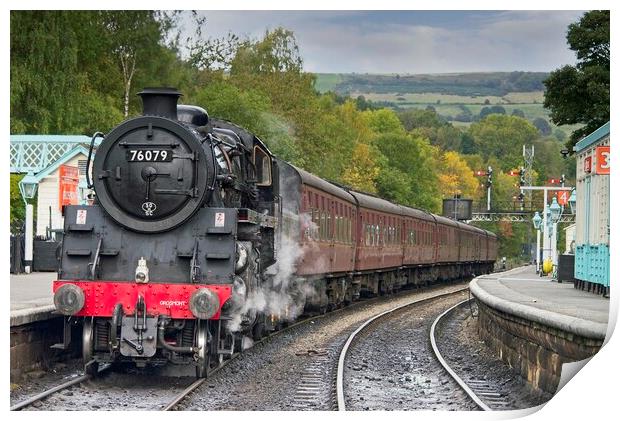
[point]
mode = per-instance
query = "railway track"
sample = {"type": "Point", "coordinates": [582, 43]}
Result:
{"type": "Point", "coordinates": [62, 386]}
{"type": "Point", "coordinates": [472, 393]}
{"type": "Point", "coordinates": [172, 405]}
{"type": "Point", "coordinates": [340, 381]}
{"type": "Point", "coordinates": [304, 371]}
{"type": "Point", "coordinates": [486, 395]}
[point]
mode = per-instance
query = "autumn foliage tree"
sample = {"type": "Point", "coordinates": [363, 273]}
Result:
{"type": "Point", "coordinates": [363, 170]}
{"type": "Point", "coordinates": [456, 177]}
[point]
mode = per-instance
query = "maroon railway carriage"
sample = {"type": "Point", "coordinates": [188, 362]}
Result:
{"type": "Point", "coordinates": [379, 240]}
{"type": "Point", "coordinates": [352, 243]}
{"type": "Point", "coordinates": [327, 215]}
{"type": "Point", "coordinates": [418, 248]}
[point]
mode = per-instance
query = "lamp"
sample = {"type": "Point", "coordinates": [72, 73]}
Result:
{"type": "Point", "coordinates": [28, 186]}
{"type": "Point", "coordinates": [28, 189]}
{"type": "Point", "coordinates": [555, 210]}
{"type": "Point", "coordinates": [572, 201]}
{"type": "Point", "coordinates": [537, 220]}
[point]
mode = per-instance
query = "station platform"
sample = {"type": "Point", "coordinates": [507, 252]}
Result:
{"type": "Point", "coordinates": [536, 325]}
{"type": "Point", "coordinates": [521, 292]}
{"type": "Point", "coordinates": [31, 297]}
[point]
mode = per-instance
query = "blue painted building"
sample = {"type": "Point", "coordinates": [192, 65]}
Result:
{"type": "Point", "coordinates": [592, 218]}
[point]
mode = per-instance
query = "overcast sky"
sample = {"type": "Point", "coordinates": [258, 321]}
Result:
{"type": "Point", "coordinates": [411, 41]}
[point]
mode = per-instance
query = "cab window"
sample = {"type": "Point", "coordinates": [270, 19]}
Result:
{"type": "Point", "coordinates": [262, 163]}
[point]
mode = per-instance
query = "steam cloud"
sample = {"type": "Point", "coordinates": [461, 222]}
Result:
{"type": "Point", "coordinates": [283, 296]}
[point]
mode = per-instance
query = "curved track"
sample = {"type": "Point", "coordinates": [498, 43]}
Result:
{"type": "Point", "coordinates": [445, 365]}
{"type": "Point", "coordinates": [343, 354]}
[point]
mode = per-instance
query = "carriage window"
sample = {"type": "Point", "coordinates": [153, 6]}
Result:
{"type": "Point", "coordinates": [262, 162]}
{"type": "Point", "coordinates": [328, 228]}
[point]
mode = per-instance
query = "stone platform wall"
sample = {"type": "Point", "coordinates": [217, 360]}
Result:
{"type": "Point", "coordinates": [534, 350]}
{"type": "Point", "coordinates": [30, 346]}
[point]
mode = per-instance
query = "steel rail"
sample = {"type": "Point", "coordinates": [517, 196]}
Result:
{"type": "Point", "coordinates": [345, 348]}
{"type": "Point", "coordinates": [199, 382]}
{"type": "Point", "coordinates": [445, 365]}
{"type": "Point", "coordinates": [19, 406]}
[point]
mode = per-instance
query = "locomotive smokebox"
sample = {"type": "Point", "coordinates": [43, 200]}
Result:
{"type": "Point", "coordinates": [160, 102]}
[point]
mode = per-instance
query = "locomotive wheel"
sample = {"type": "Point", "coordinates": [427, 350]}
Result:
{"type": "Point", "coordinates": [91, 367]}
{"type": "Point", "coordinates": [204, 356]}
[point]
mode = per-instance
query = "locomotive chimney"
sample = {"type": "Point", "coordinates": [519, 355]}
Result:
{"type": "Point", "coordinates": [160, 102]}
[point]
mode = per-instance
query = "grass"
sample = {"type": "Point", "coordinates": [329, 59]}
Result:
{"type": "Point", "coordinates": [327, 81]}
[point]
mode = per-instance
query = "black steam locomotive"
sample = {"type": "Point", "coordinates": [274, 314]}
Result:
{"type": "Point", "coordinates": [181, 227]}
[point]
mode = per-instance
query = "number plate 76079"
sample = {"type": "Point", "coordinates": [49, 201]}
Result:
{"type": "Point", "coordinates": [149, 155]}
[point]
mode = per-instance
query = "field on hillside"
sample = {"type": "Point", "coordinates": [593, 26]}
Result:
{"type": "Point", "coordinates": [450, 95]}
{"type": "Point", "coordinates": [403, 100]}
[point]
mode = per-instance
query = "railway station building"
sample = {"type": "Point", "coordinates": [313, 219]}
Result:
{"type": "Point", "coordinates": [58, 164]}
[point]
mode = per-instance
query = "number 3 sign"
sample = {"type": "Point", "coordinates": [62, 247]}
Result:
{"type": "Point", "coordinates": [602, 160]}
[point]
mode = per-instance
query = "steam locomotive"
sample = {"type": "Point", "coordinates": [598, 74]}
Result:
{"type": "Point", "coordinates": [200, 237]}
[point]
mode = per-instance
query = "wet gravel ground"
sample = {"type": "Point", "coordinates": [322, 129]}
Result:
{"type": "Point", "coordinates": [39, 381]}
{"type": "Point", "coordinates": [391, 366]}
{"type": "Point", "coordinates": [296, 369]}
{"type": "Point", "coordinates": [475, 362]}
{"type": "Point", "coordinates": [121, 388]}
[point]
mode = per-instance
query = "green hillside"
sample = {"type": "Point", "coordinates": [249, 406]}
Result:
{"type": "Point", "coordinates": [457, 97]}
{"type": "Point", "coordinates": [465, 84]}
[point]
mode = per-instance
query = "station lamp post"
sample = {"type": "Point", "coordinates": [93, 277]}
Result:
{"type": "Point", "coordinates": [547, 224]}
{"type": "Point", "coordinates": [537, 220]}
{"type": "Point", "coordinates": [556, 212]}
{"type": "Point", "coordinates": [572, 201]}
{"type": "Point", "coordinates": [28, 189]}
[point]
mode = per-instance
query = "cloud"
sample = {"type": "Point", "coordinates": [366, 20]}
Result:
{"type": "Point", "coordinates": [413, 41]}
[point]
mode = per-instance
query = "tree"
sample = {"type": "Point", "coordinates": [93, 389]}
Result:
{"type": "Point", "coordinates": [411, 163]}
{"type": "Point", "coordinates": [518, 113]}
{"type": "Point", "coordinates": [495, 109]}
{"type": "Point", "coordinates": [543, 127]}
{"type": "Point", "coordinates": [17, 208]}
{"type": "Point", "coordinates": [580, 94]}
{"type": "Point", "coordinates": [414, 118]}
{"type": "Point", "coordinates": [362, 170]}
{"type": "Point", "coordinates": [134, 37]}
{"type": "Point", "coordinates": [455, 176]}
{"type": "Point", "coordinates": [277, 52]}
{"type": "Point", "coordinates": [384, 121]}
{"type": "Point", "coordinates": [61, 82]}
{"type": "Point", "coordinates": [502, 136]}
